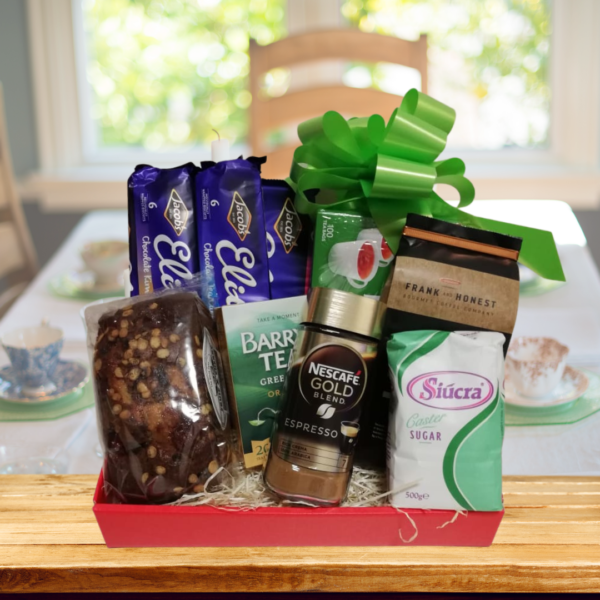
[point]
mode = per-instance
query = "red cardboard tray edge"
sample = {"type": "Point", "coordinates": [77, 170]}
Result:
{"type": "Point", "coordinates": [137, 526]}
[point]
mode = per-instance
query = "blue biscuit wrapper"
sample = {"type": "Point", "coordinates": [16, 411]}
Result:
{"type": "Point", "coordinates": [163, 243]}
{"type": "Point", "coordinates": [288, 237]}
{"type": "Point", "coordinates": [231, 227]}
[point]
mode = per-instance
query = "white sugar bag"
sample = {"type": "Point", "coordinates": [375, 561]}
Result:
{"type": "Point", "coordinates": [447, 419]}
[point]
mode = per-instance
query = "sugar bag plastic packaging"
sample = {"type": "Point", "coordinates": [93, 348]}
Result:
{"type": "Point", "coordinates": [446, 419]}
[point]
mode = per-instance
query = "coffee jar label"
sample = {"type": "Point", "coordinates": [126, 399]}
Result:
{"type": "Point", "coordinates": [319, 426]}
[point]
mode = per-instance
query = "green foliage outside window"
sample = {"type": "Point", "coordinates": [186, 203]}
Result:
{"type": "Point", "coordinates": [164, 74]}
{"type": "Point", "coordinates": [498, 48]}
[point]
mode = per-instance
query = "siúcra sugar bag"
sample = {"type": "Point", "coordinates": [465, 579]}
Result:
{"type": "Point", "coordinates": [446, 419]}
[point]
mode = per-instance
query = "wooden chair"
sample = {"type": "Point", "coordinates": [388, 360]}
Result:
{"type": "Point", "coordinates": [347, 44]}
{"type": "Point", "coordinates": [18, 262]}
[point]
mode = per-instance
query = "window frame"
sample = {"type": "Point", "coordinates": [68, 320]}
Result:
{"type": "Point", "coordinates": [71, 177]}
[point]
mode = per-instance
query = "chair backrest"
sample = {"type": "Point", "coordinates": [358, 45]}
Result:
{"type": "Point", "coordinates": [18, 262]}
{"type": "Point", "coordinates": [346, 44]}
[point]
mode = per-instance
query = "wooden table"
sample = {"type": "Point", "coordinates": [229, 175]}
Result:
{"type": "Point", "coordinates": [549, 541]}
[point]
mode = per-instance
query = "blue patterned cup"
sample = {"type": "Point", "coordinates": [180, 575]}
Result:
{"type": "Point", "coordinates": [33, 353]}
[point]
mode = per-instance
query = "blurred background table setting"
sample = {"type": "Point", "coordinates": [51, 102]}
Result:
{"type": "Point", "coordinates": [55, 431]}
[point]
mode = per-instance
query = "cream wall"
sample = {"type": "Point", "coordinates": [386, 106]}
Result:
{"type": "Point", "coordinates": [15, 76]}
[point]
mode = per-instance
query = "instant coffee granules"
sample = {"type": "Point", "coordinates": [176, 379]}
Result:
{"type": "Point", "coordinates": [328, 382]}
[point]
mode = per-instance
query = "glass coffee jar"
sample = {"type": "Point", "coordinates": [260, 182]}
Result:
{"type": "Point", "coordinates": [327, 384]}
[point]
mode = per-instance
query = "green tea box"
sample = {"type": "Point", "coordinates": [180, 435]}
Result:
{"type": "Point", "coordinates": [256, 340]}
{"type": "Point", "coordinates": [350, 254]}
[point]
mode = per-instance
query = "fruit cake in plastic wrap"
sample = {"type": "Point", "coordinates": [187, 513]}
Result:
{"type": "Point", "coordinates": [162, 413]}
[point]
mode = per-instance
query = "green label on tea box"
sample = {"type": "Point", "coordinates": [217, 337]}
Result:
{"type": "Point", "coordinates": [260, 337]}
{"type": "Point", "coordinates": [350, 254]}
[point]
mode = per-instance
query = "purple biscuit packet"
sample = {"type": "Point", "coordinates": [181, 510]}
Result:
{"type": "Point", "coordinates": [162, 228]}
{"type": "Point", "coordinates": [288, 236]}
{"type": "Point", "coordinates": [231, 225]}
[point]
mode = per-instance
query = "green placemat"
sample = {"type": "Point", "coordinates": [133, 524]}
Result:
{"type": "Point", "coordinates": [572, 412]}
{"type": "Point", "coordinates": [538, 286]}
{"type": "Point", "coordinates": [46, 411]}
{"type": "Point", "coordinates": [63, 286]}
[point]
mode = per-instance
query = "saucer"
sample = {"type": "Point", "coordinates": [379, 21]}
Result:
{"type": "Point", "coordinates": [82, 285]}
{"type": "Point", "coordinates": [572, 386]}
{"type": "Point", "coordinates": [69, 377]}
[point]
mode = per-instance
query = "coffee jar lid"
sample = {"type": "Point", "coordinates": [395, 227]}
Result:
{"type": "Point", "coordinates": [342, 310]}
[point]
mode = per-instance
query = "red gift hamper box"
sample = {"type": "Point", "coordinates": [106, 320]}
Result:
{"type": "Point", "coordinates": [136, 526]}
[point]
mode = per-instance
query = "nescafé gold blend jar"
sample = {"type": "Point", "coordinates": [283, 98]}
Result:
{"type": "Point", "coordinates": [327, 385]}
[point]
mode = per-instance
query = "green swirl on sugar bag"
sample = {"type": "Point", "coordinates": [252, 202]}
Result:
{"type": "Point", "coordinates": [473, 463]}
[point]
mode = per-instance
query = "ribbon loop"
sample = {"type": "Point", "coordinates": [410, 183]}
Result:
{"type": "Point", "coordinates": [399, 178]}
{"type": "Point", "coordinates": [409, 137]}
{"type": "Point", "coordinates": [429, 110]}
{"type": "Point", "coordinates": [391, 170]}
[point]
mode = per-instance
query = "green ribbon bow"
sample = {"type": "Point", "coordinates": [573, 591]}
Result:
{"type": "Point", "coordinates": [391, 170]}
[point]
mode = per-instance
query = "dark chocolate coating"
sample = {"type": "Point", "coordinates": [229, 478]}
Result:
{"type": "Point", "coordinates": [155, 415]}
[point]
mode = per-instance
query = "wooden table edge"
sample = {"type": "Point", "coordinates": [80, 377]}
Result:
{"type": "Point", "coordinates": [519, 567]}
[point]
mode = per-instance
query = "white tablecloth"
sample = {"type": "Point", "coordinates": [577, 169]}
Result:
{"type": "Point", "coordinates": [75, 437]}
{"type": "Point", "coordinates": [559, 450]}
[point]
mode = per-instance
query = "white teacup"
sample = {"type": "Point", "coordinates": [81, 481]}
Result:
{"type": "Point", "coordinates": [535, 365]}
{"type": "Point", "coordinates": [33, 353]}
{"type": "Point", "coordinates": [356, 261]}
{"type": "Point", "coordinates": [107, 259]}
{"type": "Point", "coordinates": [383, 253]}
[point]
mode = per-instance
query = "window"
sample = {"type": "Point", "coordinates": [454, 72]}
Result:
{"type": "Point", "coordinates": [160, 76]}
{"type": "Point", "coordinates": [124, 81]}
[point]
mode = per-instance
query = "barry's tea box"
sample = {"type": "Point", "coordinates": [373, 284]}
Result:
{"type": "Point", "coordinates": [255, 341]}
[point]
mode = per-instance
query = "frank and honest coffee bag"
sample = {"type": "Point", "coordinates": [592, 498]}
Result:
{"type": "Point", "coordinates": [451, 277]}
{"type": "Point", "coordinates": [446, 420]}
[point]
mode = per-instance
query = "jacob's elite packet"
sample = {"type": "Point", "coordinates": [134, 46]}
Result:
{"type": "Point", "coordinates": [446, 419]}
{"type": "Point", "coordinates": [288, 237]}
{"type": "Point", "coordinates": [231, 227]}
{"type": "Point", "coordinates": [163, 249]}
